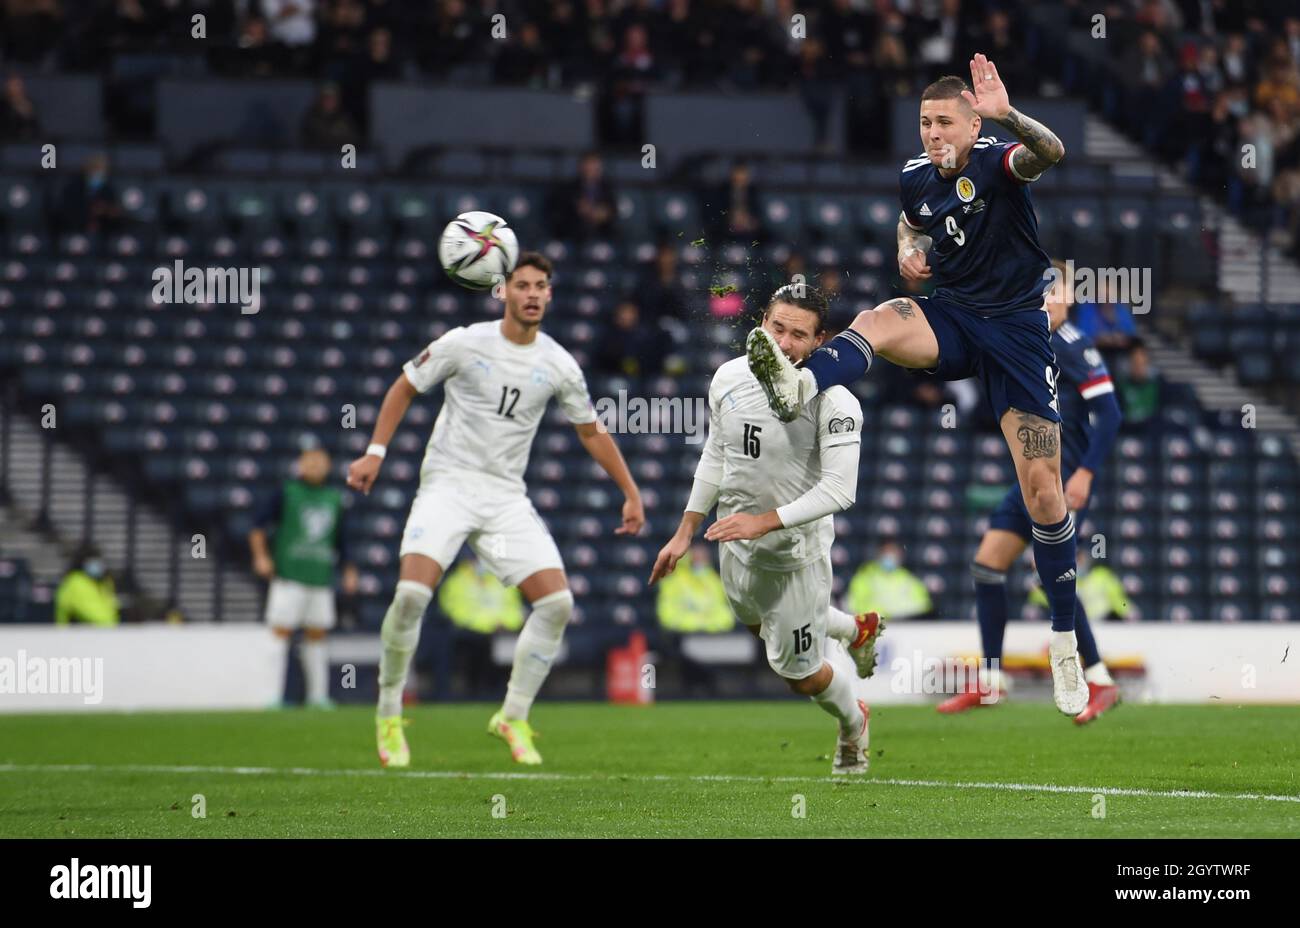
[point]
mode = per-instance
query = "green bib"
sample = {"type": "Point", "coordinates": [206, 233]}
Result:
{"type": "Point", "coordinates": [306, 538]}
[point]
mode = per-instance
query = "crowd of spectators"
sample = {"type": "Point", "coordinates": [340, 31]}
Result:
{"type": "Point", "coordinates": [856, 53]}
{"type": "Point", "coordinates": [1213, 85]}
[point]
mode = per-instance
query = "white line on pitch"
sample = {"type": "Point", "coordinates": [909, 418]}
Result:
{"type": "Point", "coordinates": [642, 777]}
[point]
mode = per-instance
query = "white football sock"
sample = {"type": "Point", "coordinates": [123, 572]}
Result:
{"type": "Point", "coordinates": [400, 634]}
{"type": "Point", "coordinates": [840, 697]}
{"type": "Point", "coordinates": [841, 626]}
{"type": "Point", "coordinates": [1098, 675]}
{"type": "Point", "coordinates": [538, 644]}
{"type": "Point", "coordinates": [282, 663]}
{"type": "Point", "coordinates": [315, 669]}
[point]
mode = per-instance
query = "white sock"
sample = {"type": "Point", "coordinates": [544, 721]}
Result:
{"type": "Point", "coordinates": [282, 663]}
{"type": "Point", "coordinates": [315, 669]}
{"type": "Point", "coordinates": [841, 626]}
{"type": "Point", "coordinates": [538, 644]}
{"type": "Point", "coordinates": [1098, 675]}
{"type": "Point", "coordinates": [1062, 642]}
{"type": "Point", "coordinates": [400, 634]}
{"type": "Point", "coordinates": [840, 698]}
{"type": "Point", "coordinates": [992, 680]}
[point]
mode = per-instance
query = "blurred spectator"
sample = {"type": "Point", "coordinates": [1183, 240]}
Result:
{"type": "Point", "coordinates": [291, 22]}
{"type": "Point", "coordinates": [253, 54]}
{"type": "Point", "coordinates": [633, 71]}
{"type": "Point", "coordinates": [887, 587]}
{"type": "Point", "coordinates": [816, 89]}
{"type": "Point", "coordinates": [630, 347]}
{"type": "Point", "coordinates": [1109, 324]}
{"type": "Point", "coordinates": [522, 60]}
{"type": "Point", "coordinates": [86, 593]}
{"type": "Point", "coordinates": [325, 124]}
{"type": "Point", "coordinates": [691, 598]}
{"type": "Point", "coordinates": [29, 29]}
{"type": "Point", "coordinates": [477, 601]}
{"type": "Point", "coordinates": [731, 210]}
{"type": "Point", "coordinates": [1139, 389]}
{"type": "Point", "coordinates": [661, 290]}
{"type": "Point", "coordinates": [17, 114]}
{"type": "Point", "coordinates": [89, 202]}
{"type": "Point", "coordinates": [585, 208]}
{"type": "Point", "coordinates": [449, 38]}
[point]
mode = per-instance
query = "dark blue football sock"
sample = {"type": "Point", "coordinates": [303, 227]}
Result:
{"type": "Point", "coordinates": [990, 608]}
{"type": "Point", "coordinates": [840, 361]}
{"type": "Point", "coordinates": [1054, 557]}
{"type": "Point", "coordinates": [1083, 631]}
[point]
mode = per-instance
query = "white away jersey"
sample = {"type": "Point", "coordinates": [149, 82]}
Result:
{"type": "Point", "coordinates": [495, 395]}
{"type": "Point", "coordinates": [760, 463]}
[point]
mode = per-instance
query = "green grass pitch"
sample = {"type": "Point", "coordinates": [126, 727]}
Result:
{"type": "Point", "coordinates": [671, 770]}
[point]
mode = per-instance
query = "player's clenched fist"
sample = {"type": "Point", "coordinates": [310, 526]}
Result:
{"type": "Point", "coordinates": [668, 557]}
{"type": "Point", "coordinates": [363, 471]}
{"type": "Point", "coordinates": [912, 264]}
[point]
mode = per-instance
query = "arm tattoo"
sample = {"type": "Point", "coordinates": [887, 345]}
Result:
{"type": "Point", "coordinates": [1037, 436]}
{"type": "Point", "coordinates": [1042, 148]}
{"type": "Point", "coordinates": [906, 234]}
{"type": "Point", "coordinates": [902, 307]}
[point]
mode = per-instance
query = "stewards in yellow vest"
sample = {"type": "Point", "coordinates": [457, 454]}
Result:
{"type": "Point", "coordinates": [887, 587]}
{"type": "Point", "coordinates": [691, 599]}
{"type": "Point", "coordinates": [474, 599]}
{"type": "Point", "coordinates": [1099, 590]}
{"type": "Point", "coordinates": [86, 593]}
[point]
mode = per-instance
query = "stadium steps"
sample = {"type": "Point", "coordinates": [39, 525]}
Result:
{"type": "Point", "coordinates": [154, 541]}
{"type": "Point", "coordinates": [45, 561]}
{"type": "Point", "coordinates": [1218, 391]}
{"type": "Point", "coordinates": [1250, 269]}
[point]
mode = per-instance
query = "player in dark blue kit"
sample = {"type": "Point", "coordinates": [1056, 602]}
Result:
{"type": "Point", "coordinates": [987, 317]}
{"type": "Point", "coordinates": [1090, 421]}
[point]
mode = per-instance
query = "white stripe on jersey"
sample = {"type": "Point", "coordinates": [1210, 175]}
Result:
{"type": "Point", "coordinates": [1069, 333]}
{"type": "Point", "coordinates": [1097, 389]}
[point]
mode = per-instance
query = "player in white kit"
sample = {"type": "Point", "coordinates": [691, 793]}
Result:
{"type": "Point", "coordinates": [497, 379]}
{"type": "Point", "coordinates": [777, 486]}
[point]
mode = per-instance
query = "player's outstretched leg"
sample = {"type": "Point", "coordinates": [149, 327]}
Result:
{"type": "Point", "coordinates": [538, 644]}
{"type": "Point", "coordinates": [1102, 691]}
{"type": "Point", "coordinates": [859, 634]}
{"type": "Point", "coordinates": [400, 634]}
{"type": "Point", "coordinates": [852, 746]}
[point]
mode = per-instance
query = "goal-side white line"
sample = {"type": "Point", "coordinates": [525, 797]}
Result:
{"type": "Point", "coordinates": [643, 777]}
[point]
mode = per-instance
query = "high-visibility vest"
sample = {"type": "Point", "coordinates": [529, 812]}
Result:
{"type": "Point", "coordinates": [479, 601]}
{"type": "Point", "coordinates": [82, 598]}
{"type": "Point", "coordinates": [691, 599]}
{"type": "Point", "coordinates": [895, 594]}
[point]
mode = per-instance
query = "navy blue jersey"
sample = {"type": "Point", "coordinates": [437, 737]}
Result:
{"type": "Point", "coordinates": [986, 257]}
{"type": "Point", "coordinates": [1083, 377]}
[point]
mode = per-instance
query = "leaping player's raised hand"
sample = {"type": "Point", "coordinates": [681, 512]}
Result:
{"type": "Point", "coordinates": [668, 557]}
{"type": "Point", "coordinates": [989, 100]}
{"type": "Point", "coordinates": [363, 471]}
{"type": "Point", "coordinates": [633, 517]}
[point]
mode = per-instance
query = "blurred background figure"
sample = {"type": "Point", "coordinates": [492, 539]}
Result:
{"type": "Point", "coordinates": [17, 114]}
{"type": "Point", "coordinates": [885, 586]}
{"type": "Point", "coordinates": [86, 593]}
{"type": "Point", "coordinates": [306, 518]}
{"type": "Point", "coordinates": [691, 599]}
{"type": "Point", "coordinates": [585, 209]}
{"type": "Point", "coordinates": [731, 210]}
{"type": "Point", "coordinates": [630, 346]}
{"type": "Point", "coordinates": [1139, 389]}
{"type": "Point", "coordinates": [1108, 323]}
{"type": "Point", "coordinates": [89, 202]}
{"type": "Point", "coordinates": [326, 124]}
{"type": "Point", "coordinates": [478, 606]}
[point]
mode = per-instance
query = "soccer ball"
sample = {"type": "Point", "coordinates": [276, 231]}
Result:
{"type": "Point", "coordinates": [477, 249]}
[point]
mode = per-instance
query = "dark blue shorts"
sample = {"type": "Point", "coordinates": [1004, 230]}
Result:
{"type": "Point", "coordinates": [1011, 354]}
{"type": "Point", "coordinates": [1012, 516]}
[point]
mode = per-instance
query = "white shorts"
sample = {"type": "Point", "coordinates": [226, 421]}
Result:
{"type": "Point", "coordinates": [788, 606]}
{"type": "Point", "coordinates": [290, 604]}
{"type": "Point", "coordinates": [506, 533]}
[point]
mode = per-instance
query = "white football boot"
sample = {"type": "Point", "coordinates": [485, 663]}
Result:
{"type": "Point", "coordinates": [781, 381]}
{"type": "Point", "coordinates": [852, 751]}
{"type": "Point", "coordinates": [1069, 688]}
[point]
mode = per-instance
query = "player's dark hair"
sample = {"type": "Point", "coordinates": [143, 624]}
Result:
{"type": "Point", "coordinates": [805, 297]}
{"type": "Point", "coordinates": [533, 259]}
{"type": "Point", "coordinates": [948, 87]}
